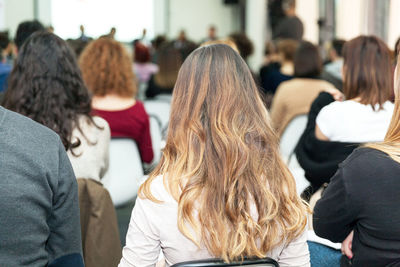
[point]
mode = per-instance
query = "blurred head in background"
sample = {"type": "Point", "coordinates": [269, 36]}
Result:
{"type": "Point", "coordinates": [307, 61]}
{"type": "Point", "coordinates": [25, 29]}
{"type": "Point", "coordinates": [169, 63]}
{"type": "Point", "coordinates": [243, 43]}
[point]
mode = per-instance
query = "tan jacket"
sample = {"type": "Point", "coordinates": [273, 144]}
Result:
{"type": "Point", "coordinates": [100, 236]}
{"type": "Point", "coordinates": [293, 98]}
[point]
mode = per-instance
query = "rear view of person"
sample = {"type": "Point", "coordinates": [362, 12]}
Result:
{"type": "Point", "coordinates": [46, 85]}
{"type": "Point", "coordinates": [221, 188]}
{"type": "Point", "coordinates": [38, 197]}
{"type": "Point", "coordinates": [107, 71]}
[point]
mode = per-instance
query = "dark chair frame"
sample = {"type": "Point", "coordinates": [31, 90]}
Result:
{"type": "Point", "coordinates": [221, 263]}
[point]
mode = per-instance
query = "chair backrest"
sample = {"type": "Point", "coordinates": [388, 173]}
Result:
{"type": "Point", "coordinates": [217, 262]}
{"type": "Point", "coordinates": [156, 138]}
{"type": "Point", "coordinates": [292, 134]}
{"type": "Point", "coordinates": [125, 171]}
{"type": "Point", "coordinates": [160, 109]}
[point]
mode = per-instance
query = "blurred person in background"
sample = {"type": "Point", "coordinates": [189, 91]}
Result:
{"type": "Point", "coordinates": [107, 71]}
{"type": "Point", "coordinates": [5, 67]}
{"type": "Point", "coordinates": [24, 30]}
{"type": "Point", "coordinates": [169, 63]}
{"type": "Point", "coordinates": [294, 97]}
{"type": "Point", "coordinates": [83, 37]}
{"type": "Point", "coordinates": [156, 43]}
{"type": "Point", "coordinates": [142, 66]}
{"type": "Point", "coordinates": [290, 26]}
{"type": "Point", "coordinates": [273, 75]}
{"type": "Point", "coordinates": [211, 35]}
{"type": "Point", "coordinates": [333, 70]}
{"type": "Point", "coordinates": [57, 98]}
{"type": "Point", "coordinates": [243, 43]}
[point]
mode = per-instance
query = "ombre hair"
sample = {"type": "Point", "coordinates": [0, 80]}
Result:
{"type": "Point", "coordinates": [367, 71]}
{"type": "Point", "coordinates": [391, 143]}
{"type": "Point", "coordinates": [221, 161]}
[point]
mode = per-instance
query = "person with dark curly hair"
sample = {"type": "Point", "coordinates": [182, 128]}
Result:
{"type": "Point", "coordinates": [107, 71]}
{"type": "Point", "coordinates": [46, 85]}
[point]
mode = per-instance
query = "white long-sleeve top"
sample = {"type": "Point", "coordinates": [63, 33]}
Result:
{"type": "Point", "coordinates": [153, 228]}
{"type": "Point", "coordinates": [91, 160]}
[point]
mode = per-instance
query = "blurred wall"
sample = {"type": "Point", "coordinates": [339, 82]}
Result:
{"type": "Point", "coordinates": [195, 16]}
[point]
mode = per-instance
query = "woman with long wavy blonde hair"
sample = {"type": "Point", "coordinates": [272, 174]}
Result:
{"type": "Point", "coordinates": [360, 205]}
{"type": "Point", "coordinates": [221, 188]}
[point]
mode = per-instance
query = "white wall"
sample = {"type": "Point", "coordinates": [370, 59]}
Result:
{"type": "Point", "coordinates": [195, 16]}
{"type": "Point", "coordinates": [394, 23]}
{"type": "Point", "coordinates": [308, 12]}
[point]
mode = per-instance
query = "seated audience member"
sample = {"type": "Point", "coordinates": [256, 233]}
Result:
{"type": "Point", "coordinates": [243, 43]}
{"type": "Point", "coordinates": [142, 66]}
{"type": "Point", "coordinates": [273, 75]}
{"type": "Point", "coordinates": [163, 82]}
{"type": "Point", "coordinates": [46, 85]}
{"type": "Point", "coordinates": [333, 70]}
{"type": "Point", "coordinates": [294, 97]}
{"type": "Point", "coordinates": [5, 67]}
{"type": "Point", "coordinates": [220, 170]}
{"type": "Point", "coordinates": [361, 201]}
{"type": "Point", "coordinates": [335, 128]}
{"type": "Point", "coordinates": [39, 197]}
{"type": "Point", "coordinates": [211, 34]}
{"type": "Point", "coordinates": [107, 71]}
{"type": "Point", "coordinates": [158, 42]}
{"type": "Point", "coordinates": [290, 26]}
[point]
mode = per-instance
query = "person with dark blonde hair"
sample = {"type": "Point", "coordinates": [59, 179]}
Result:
{"type": "Point", "coordinates": [221, 188]}
{"type": "Point", "coordinates": [107, 71]}
{"type": "Point", "coordinates": [362, 199]}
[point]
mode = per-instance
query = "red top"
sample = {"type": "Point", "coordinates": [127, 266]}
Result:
{"type": "Point", "coordinates": [132, 122]}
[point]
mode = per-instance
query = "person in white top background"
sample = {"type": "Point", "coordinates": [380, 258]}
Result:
{"type": "Point", "coordinates": [368, 87]}
{"type": "Point", "coordinates": [221, 189]}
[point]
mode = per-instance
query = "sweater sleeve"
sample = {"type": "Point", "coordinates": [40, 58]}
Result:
{"type": "Point", "coordinates": [142, 240]}
{"type": "Point", "coordinates": [295, 253]}
{"type": "Point", "coordinates": [335, 213]}
{"type": "Point", "coordinates": [64, 244]}
{"type": "Point", "coordinates": [145, 145]}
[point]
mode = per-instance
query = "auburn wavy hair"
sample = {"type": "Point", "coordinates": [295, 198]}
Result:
{"type": "Point", "coordinates": [107, 68]}
{"type": "Point", "coordinates": [46, 85]}
{"type": "Point", "coordinates": [221, 161]}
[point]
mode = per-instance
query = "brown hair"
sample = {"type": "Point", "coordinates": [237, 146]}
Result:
{"type": "Point", "coordinates": [107, 68]}
{"type": "Point", "coordinates": [307, 61]}
{"type": "Point", "coordinates": [169, 61]}
{"type": "Point", "coordinates": [287, 48]}
{"type": "Point", "coordinates": [221, 161]}
{"type": "Point", "coordinates": [367, 70]}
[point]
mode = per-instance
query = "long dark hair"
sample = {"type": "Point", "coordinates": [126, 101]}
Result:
{"type": "Point", "coordinates": [46, 85]}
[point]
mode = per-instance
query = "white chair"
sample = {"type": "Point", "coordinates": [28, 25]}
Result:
{"type": "Point", "coordinates": [291, 135]}
{"type": "Point", "coordinates": [125, 171]}
{"type": "Point", "coordinates": [156, 138]}
{"type": "Point", "coordinates": [164, 98]}
{"type": "Point", "coordinates": [160, 109]}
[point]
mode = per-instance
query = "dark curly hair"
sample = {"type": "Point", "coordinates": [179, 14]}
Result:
{"type": "Point", "coordinates": [46, 85]}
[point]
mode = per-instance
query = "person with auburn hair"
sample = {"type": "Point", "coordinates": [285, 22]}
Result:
{"type": "Point", "coordinates": [107, 71]}
{"type": "Point", "coordinates": [142, 66]}
{"type": "Point", "coordinates": [46, 85]}
{"type": "Point", "coordinates": [169, 61]}
{"type": "Point", "coordinates": [221, 188]}
{"type": "Point", "coordinates": [294, 97]}
{"type": "Point", "coordinates": [361, 201]}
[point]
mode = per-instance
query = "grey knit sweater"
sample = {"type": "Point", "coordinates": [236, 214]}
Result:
{"type": "Point", "coordinates": [39, 213]}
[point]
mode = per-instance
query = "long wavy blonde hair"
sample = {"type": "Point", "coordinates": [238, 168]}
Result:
{"type": "Point", "coordinates": [391, 143]}
{"type": "Point", "coordinates": [221, 161]}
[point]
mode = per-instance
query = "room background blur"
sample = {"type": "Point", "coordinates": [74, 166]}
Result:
{"type": "Point", "coordinates": [322, 19]}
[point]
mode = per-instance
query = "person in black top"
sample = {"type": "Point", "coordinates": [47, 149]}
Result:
{"type": "Point", "coordinates": [290, 27]}
{"type": "Point", "coordinates": [361, 201]}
